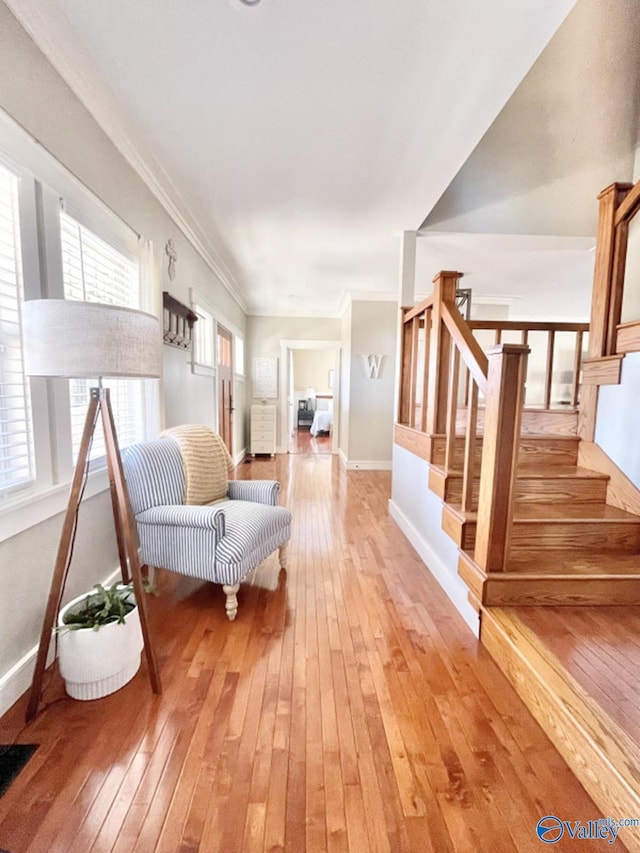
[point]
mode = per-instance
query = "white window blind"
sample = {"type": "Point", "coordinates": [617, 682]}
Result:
{"type": "Point", "coordinates": [203, 351]}
{"type": "Point", "coordinates": [95, 271]}
{"type": "Point", "coordinates": [17, 466]}
{"type": "Point", "coordinates": [239, 354]}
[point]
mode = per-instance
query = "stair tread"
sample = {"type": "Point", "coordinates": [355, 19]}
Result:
{"type": "Point", "coordinates": [569, 562]}
{"type": "Point", "coordinates": [534, 512]}
{"type": "Point", "coordinates": [542, 436]}
{"type": "Point", "coordinates": [537, 471]}
{"type": "Point", "coordinates": [559, 563]}
{"type": "Point", "coordinates": [572, 512]}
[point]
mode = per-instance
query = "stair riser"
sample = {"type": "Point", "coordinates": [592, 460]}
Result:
{"type": "Point", "coordinates": [524, 592]}
{"type": "Point", "coordinates": [463, 533]}
{"type": "Point", "coordinates": [554, 422]}
{"type": "Point", "coordinates": [529, 490]}
{"type": "Point", "coordinates": [514, 590]}
{"type": "Point", "coordinates": [578, 536]}
{"type": "Point", "coordinates": [545, 452]}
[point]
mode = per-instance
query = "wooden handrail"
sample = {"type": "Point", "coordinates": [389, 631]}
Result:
{"type": "Point", "coordinates": [629, 207]}
{"type": "Point", "coordinates": [470, 349]}
{"type": "Point", "coordinates": [410, 313]}
{"type": "Point", "coordinates": [527, 326]}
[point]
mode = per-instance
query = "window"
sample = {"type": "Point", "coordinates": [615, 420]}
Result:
{"type": "Point", "coordinates": [203, 353]}
{"type": "Point", "coordinates": [239, 355]}
{"type": "Point", "coordinates": [95, 271]}
{"type": "Point", "coordinates": [80, 251]}
{"type": "Point", "coordinates": [17, 467]}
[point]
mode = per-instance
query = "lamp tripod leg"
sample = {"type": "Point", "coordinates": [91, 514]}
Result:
{"type": "Point", "coordinates": [59, 572]}
{"type": "Point", "coordinates": [123, 518]}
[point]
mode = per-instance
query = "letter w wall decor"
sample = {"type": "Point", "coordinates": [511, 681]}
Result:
{"type": "Point", "coordinates": [373, 363]}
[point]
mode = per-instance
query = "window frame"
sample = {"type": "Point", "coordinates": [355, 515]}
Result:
{"type": "Point", "coordinates": [44, 181]}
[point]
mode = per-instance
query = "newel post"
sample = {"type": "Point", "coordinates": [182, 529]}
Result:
{"type": "Point", "coordinates": [444, 290]}
{"type": "Point", "coordinates": [606, 296]}
{"type": "Point", "coordinates": [503, 416]}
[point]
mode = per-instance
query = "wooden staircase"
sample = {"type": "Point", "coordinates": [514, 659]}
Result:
{"type": "Point", "coordinates": [532, 524]}
{"type": "Point", "coordinates": [567, 545]}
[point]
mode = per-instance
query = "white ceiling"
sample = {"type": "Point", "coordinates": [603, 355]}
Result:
{"type": "Point", "coordinates": [295, 140]}
{"type": "Point", "coordinates": [568, 131]}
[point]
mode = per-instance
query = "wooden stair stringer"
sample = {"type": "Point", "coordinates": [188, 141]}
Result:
{"type": "Point", "coordinates": [601, 755]}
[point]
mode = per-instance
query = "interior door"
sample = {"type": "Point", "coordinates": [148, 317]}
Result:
{"type": "Point", "coordinates": [224, 342]}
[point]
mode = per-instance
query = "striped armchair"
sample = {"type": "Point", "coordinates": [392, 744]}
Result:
{"type": "Point", "coordinates": [192, 520]}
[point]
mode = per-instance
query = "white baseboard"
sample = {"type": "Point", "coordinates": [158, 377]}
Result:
{"type": "Point", "coordinates": [368, 465]}
{"type": "Point", "coordinates": [240, 456]}
{"type": "Point", "coordinates": [437, 567]}
{"type": "Point", "coordinates": [18, 679]}
{"type": "Point", "coordinates": [364, 464]}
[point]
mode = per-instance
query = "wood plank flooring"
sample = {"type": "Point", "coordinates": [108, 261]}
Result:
{"type": "Point", "coordinates": [348, 708]}
{"type": "Point", "coordinates": [600, 648]}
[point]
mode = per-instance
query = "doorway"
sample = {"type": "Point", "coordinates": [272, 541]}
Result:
{"type": "Point", "coordinates": [310, 385]}
{"type": "Point", "coordinates": [224, 345]}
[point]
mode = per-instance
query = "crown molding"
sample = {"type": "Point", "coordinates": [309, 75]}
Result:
{"type": "Point", "coordinates": [348, 297]}
{"type": "Point", "coordinates": [373, 296]}
{"type": "Point", "coordinates": [53, 34]}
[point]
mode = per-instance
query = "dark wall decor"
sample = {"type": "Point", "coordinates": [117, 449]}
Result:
{"type": "Point", "coordinates": [177, 324]}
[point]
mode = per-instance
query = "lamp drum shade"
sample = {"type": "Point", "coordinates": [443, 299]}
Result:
{"type": "Point", "coordinates": [67, 337]}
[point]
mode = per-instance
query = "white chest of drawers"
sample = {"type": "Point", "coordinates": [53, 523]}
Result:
{"type": "Point", "coordinates": [263, 429]}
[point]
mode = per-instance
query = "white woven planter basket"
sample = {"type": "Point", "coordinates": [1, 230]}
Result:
{"type": "Point", "coordinates": [96, 663]}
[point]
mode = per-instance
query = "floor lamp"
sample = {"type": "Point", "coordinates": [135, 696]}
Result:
{"type": "Point", "coordinates": [73, 339]}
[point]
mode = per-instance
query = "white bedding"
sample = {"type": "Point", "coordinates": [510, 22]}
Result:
{"type": "Point", "coordinates": [321, 422]}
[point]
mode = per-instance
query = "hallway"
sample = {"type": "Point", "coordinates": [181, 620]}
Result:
{"type": "Point", "coordinates": [348, 708]}
{"type": "Point", "coordinates": [303, 442]}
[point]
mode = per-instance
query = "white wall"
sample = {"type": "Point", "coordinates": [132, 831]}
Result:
{"type": "Point", "coordinates": [35, 96]}
{"type": "Point", "coordinates": [618, 419]}
{"type": "Point", "coordinates": [374, 328]}
{"type": "Point", "coordinates": [311, 370]}
{"type": "Point", "coordinates": [418, 513]}
{"type": "Point", "coordinates": [631, 296]}
{"type": "Point", "coordinates": [188, 398]}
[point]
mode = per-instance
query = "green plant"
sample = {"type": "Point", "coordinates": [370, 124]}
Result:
{"type": "Point", "coordinates": [101, 607]}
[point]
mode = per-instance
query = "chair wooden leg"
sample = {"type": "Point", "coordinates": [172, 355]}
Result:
{"type": "Point", "coordinates": [282, 555]}
{"type": "Point", "coordinates": [231, 605]}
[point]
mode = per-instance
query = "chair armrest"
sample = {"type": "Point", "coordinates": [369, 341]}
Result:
{"type": "Point", "coordinates": [257, 491]}
{"type": "Point", "coordinates": [176, 515]}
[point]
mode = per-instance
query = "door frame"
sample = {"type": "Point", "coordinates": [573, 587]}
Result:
{"type": "Point", "coordinates": [227, 334]}
{"type": "Point", "coordinates": [286, 393]}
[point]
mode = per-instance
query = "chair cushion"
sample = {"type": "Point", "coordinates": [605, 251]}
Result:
{"type": "Point", "coordinates": [154, 474]}
{"type": "Point", "coordinates": [248, 526]}
{"type": "Point", "coordinates": [206, 462]}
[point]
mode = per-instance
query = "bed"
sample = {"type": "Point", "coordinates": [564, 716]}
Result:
{"type": "Point", "coordinates": [323, 415]}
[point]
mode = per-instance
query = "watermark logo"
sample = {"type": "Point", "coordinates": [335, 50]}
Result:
{"type": "Point", "coordinates": [550, 829]}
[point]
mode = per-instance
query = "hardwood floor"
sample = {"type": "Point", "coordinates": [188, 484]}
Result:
{"type": "Point", "coordinates": [600, 648]}
{"type": "Point", "coordinates": [303, 442]}
{"type": "Point", "coordinates": [348, 708]}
